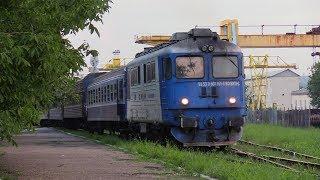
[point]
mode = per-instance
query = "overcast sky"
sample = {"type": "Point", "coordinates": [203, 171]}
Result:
{"type": "Point", "coordinates": [149, 17]}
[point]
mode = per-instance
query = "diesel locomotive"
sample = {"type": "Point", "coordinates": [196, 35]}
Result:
{"type": "Point", "coordinates": [190, 89]}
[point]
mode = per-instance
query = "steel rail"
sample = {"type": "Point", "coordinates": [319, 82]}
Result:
{"type": "Point", "coordinates": [256, 157]}
{"type": "Point", "coordinates": [309, 164]}
{"type": "Point", "coordinates": [293, 153]}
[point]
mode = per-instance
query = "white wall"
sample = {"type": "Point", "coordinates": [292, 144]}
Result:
{"type": "Point", "coordinates": [301, 102]}
{"type": "Point", "coordinates": [279, 91]}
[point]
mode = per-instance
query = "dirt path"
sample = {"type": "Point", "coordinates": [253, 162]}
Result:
{"type": "Point", "coordinates": [50, 154]}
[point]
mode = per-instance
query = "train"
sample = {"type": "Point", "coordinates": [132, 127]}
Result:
{"type": "Point", "coordinates": [190, 89]}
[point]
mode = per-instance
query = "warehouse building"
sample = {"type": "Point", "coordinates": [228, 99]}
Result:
{"type": "Point", "coordinates": [286, 90]}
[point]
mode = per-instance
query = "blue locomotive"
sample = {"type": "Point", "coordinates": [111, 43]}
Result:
{"type": "Point", "coordinates": [191, 89]}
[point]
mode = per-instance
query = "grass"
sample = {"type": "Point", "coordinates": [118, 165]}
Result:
{"type": "Point", "coordinates": [301, 140]}
{"type": "Point", "coordinates": [5, 176]}
{"type": "Point", "coordinates": [214, 164]}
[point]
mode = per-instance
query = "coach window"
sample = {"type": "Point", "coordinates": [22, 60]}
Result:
{"type": "Point", "coordinates": [99, 95]}
{"type": "Point", "coordinates": [189, 67]}
{"type": "Point", "coordinates": [111, 92]}
{"type": "Point", "coordinates": [91, 97]}
{"type": "Point", "coordinates": [94, 96]}
{"type": "Point", "coordinates": [167, 68]}
{"type": "Point", "coordinates": [121, 90]}
{"type": "Point", "coordinates": [151, 74]}
{"type": "Point", "coordinates": [105, 94]}
{"type": "Point", "coordinates": [133, 77]}
{"type": "Point", "coordinates": [115, 92]}
{"type": "Point", "coordinates": [108, 93]}
{"type": "Point", "coordinates": [102, 94]}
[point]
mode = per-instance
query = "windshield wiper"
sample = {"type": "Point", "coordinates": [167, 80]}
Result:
{"type": "Point", "coordinates": [232, 61]}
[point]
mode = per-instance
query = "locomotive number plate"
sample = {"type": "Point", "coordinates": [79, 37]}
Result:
{"type": "Point", "coordinates": [216, 84]}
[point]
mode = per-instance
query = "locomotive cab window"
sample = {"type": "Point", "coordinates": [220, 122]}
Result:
{"type": "Point", "coordinates": [135, 76]}
{"type": "Point", "coordinates": [225, 67]}
{"type": "Point", "coordinates": [189, 67]}
{"type": "Point", "coordinates": [151, 72]}
{"type": "Point", "coordinates": [167, 68]}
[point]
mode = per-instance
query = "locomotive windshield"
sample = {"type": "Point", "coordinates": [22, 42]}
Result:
{"type": "Point", "coordinates": [225, 67]}
{"type": "Point", "coordinates": [189, 67]}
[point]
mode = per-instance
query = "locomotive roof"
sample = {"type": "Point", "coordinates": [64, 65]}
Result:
{"type": "Point", "coordinates": [191, 42]}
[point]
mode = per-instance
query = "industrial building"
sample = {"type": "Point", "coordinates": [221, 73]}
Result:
{"type": "Point", "coordinates": [285, 90]}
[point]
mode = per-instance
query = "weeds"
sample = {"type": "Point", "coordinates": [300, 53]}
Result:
{"type": "Point", "coordinates": [301, 140]}
{"type": "Point", "coordinates": [212, 163]}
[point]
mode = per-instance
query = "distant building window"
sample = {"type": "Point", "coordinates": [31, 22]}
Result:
{"type": "Point", "coordinates": [305, 104]}
{"type": "Point", "coordinates": [300, 104]}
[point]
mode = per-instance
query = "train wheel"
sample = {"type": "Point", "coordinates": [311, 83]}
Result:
{"type": "Point", "coordinates": [100, 131]}
{"type": "Point", "coordinates": [222, 148]}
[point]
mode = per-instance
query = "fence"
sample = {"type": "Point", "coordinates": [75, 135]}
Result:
{"type": "Point", "coordinates": [293, 118]}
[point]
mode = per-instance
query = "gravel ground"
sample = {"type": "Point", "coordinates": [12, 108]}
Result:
{"type": "Point", "coordinates": [51, 154]}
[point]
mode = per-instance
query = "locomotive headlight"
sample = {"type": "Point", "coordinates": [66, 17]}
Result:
{"type": "Point", "coordinates": [232, 100]}
{"type": "Point", "coordinates": [184, 101]}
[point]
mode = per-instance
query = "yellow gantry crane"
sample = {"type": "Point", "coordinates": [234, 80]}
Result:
{"type": "Point", "coordinates": [229, 30]}
{"type": "Point", "coordinates": [258, 82]}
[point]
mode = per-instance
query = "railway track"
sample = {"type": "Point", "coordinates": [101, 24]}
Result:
{"type": "Point", "coordinates": [282, 162]}
{"type": "Point", "coordinates": [292, 153]}
{"type": "Point", "coordinates": [256, 157]}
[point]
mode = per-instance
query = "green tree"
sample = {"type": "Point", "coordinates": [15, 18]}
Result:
{"type": "Point", "coordinates": [35, 56]}
{"type": "Point", "coordinates": [314, 85]}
